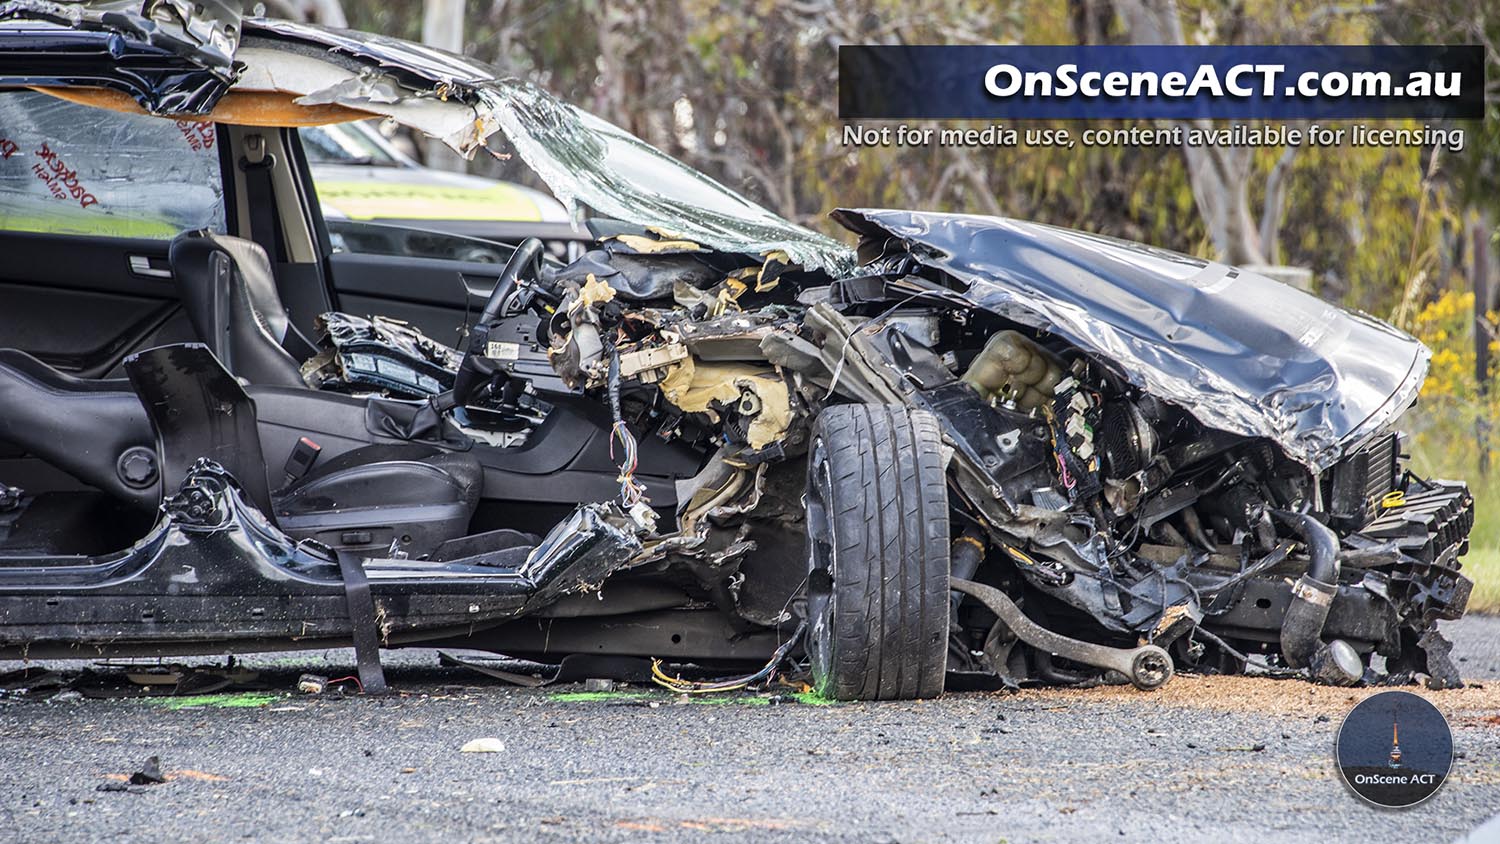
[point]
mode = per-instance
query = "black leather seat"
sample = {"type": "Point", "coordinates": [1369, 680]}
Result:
{"type": "Point", "coordinates": [93, 429]}
{"type": "Point", "coordinates": [399, 496]}
{"type": "Point", "coordinates": [406, 496]}
{"type": "Point", "coordinates": [229, 293]}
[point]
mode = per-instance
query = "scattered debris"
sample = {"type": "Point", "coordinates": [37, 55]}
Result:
{"type": "Point", "coordinates": [149, 774]}
{"type": "Point", "coordinates": [484, 745]}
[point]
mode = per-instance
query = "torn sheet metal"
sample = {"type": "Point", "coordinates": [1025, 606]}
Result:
{"type": "Point", "coordinates": [428, 65]}
{"type": "Point", "coordinates": [579, 553]}
{"type": "Point", "coordinates": [1239, 351]}
{"type": "Point", "coordinates": [140, 36]}
{"type": "Point", "coordinates": [583, 159]}
{"type": "Point", "coordinates": [206, 31]}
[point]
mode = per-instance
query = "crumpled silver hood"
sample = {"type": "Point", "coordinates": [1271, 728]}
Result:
{"type": "Point", "coordinates": [1239, 351]}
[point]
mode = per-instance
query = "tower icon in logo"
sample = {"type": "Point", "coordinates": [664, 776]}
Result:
{"type": "Point", "coordinates": [1372, 761]}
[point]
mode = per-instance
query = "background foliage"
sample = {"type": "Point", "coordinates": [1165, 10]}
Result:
{"type": "Point", "coordinates": [747, 92]}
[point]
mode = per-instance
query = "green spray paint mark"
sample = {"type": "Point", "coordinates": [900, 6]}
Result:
{"type": "Point", "coordinates": [238, 700]}
{"type": "Point", "coordinates": [731, 698]}
{"type": "Point", "coordinates": [723, 699]}
{"type": "Point", "coordinates": [591, 697]}
{"type": "Point", "coordinates": [813, 699]}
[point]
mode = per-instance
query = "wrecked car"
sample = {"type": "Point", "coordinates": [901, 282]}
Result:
{"type": "Point", "coordinates": [968, 450]}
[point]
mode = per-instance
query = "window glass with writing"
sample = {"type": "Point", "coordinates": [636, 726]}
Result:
{"type": "Point", "coordinates": [67, 168]}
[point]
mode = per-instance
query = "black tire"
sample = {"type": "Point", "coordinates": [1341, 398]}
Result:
{"type": "Point", "coordinates": [878, 554]}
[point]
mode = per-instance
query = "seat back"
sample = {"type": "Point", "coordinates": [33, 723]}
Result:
{"type": "Point", "coordinates": [197, 410]}
{"type": "Point", "coordinates": [229, 293]}
{"type": "Point", "coordinates": [95, 430]}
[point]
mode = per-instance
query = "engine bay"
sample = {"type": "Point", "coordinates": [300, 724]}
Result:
{"type": "Point", "coordinates": [1102, 509]}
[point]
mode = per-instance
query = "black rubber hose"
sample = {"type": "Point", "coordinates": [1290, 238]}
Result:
{"type": "Point", "coordinates": [1313, 593]}
{"type": "Point", "coordinates": [967, 554]}
{"type": "Point", "coordinates": [1322, 546]}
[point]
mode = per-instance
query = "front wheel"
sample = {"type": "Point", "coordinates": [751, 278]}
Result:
{"type": "Point", "coordinates": [878, 554]}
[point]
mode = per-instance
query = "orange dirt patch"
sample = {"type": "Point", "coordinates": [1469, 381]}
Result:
{"type": "Point", "coordinates": [1278, 697]}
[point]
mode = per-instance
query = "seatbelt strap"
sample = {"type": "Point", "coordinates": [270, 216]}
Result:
{"type": "Point", "coordinates": [257, 165]}
{"type": "Point", "coordinates": [362, 624]}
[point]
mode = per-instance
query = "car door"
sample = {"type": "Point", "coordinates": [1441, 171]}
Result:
{"type": "Point", "coordinates": [85, 221]}
{"type": "Point", "coordinates": [437, 282]}
{"type": "Point", "coordinates": [415, 271]}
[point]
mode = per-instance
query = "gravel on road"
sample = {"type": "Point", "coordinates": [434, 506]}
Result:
{"type": "Point", "coordinates": [1206, 758]}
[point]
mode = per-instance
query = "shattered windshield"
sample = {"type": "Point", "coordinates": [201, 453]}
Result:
{"type": "Point", "coordinates": [584, 160]}
{"type": "Point", "coordinates": [588, 161]}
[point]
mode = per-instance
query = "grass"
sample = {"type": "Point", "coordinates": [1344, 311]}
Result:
{"type": "Point", "coordinates": [1482, 565]}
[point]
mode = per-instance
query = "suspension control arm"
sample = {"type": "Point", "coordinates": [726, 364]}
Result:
{"type": "Point", "coordinates": [1148, 667]}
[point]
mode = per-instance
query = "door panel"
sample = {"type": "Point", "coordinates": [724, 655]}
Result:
{"type": "Point", "coordinates": [82, 304]}
{"type": "Point", "coordinates": [437, 296]}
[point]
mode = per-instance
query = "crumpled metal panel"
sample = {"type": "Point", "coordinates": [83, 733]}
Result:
{"type": "Point", "coordinates": [579, 553]}
{"type": "Point", "coordinates": [583, 159]}
{"type": "Point", "coordinates": [205, 33]}
{"type": "Point", "coordinates": [428, 63]}
{"type": "Point", "coordinates": [1239, 351]}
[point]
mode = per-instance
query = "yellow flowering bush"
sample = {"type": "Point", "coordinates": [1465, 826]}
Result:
{"type": "Point", "coordinates": [1446, 325]}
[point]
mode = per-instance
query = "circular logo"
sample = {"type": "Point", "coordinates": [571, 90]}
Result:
{"type": "Point", "coordinates": [1394, 749]}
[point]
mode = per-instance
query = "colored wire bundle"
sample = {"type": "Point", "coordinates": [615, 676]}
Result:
{"type": "Point", "coordinates": [690, 687]}
{"type": "Point", "coordinates": [632, 492]}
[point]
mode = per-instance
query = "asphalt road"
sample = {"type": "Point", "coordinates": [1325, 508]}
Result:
{"type": "Point", "coordinates": [1205, 759]}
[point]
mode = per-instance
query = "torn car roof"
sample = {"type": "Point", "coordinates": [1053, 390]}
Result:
{"type": "Point", "coordinates": [1239, 351]}
{"type": "Point", "coordinates": [463, 102]}
{"type": "Point", "coordinates": [583, 159]}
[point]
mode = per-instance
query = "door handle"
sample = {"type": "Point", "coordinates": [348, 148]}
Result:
{"type": "Point", "coordinates": [141, 265]}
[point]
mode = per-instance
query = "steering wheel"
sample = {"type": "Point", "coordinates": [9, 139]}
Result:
{"type": "Point", "coordinates": [526, 259]}
{"type": "Point", "coordinates": [476, 369]}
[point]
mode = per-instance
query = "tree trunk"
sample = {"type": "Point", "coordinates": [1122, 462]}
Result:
{"type": "Point", "coordinates": [325, 12]}
{"type": "Point", "coordinates": [1219, 176]}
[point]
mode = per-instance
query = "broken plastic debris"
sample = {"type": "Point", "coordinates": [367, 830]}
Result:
{"type": "Point", "coordinates": [484, 745]}
{"type": "Point", "coordinates": [149, 774]}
